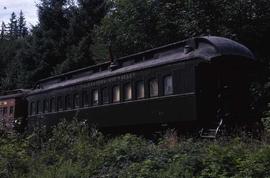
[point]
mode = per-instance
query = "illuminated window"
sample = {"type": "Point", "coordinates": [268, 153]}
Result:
{"type": "Point", "coordinates": [95, 97]}
{"type": "Point", "coordinates": [140, 89]}
{"type": "Point", "coordinates": [168, 85]}
{"type": "Point", "coordinates": [127, 92]}
{"type": "Point", "coordinates": [116, 94]}
{"type": "Point", "coordinates": [76, 100]}
{"type": "Point", "coordinates": [105, 96]}
{"type": "Point", "coordinates": [153, 87]}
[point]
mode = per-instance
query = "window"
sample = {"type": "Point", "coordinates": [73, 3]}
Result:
{"type": "Point", "coordinates": [168, 85]}
{"type": "Point", "coordinates": [1, 111]}
{"type": "Point", "coordinates": [32, 108]}
{"type": "Point", "coordinates": [105, 96]}
{"type": "Point", "coordinates": [45, 106]}
{"type": "Point", "coordinates": [11, 110]}
{"type": "Point", "coordinates": [59, 103]}
{"type": "Point", "coordinates": [140, 89]}
{"type": "Point", "coordinates": [95, 97]}
{"type": "Point", "coordinates": [4, 110]}
{"type": "Point", "coordinates": [127, 92]}
{"type": "Point", "coordinates": [37, 107]}
{"type": "Point", "coordinates": [76, 100]}
{"type": "Point", "coordinates": [116, 94]}
{"type": "Point", "coordinates": [85, 98]}
{"type": "Point", "coordinates": [153, 87]}
{"type": "Point", "coordinates": [52, 105]}
{"type": "Point", "coordinates": [67, 102]}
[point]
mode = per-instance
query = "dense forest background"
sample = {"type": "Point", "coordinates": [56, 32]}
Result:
{"type": "Point", "coordinates": [72, 34]}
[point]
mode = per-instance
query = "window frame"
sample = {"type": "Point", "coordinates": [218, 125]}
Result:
{"type": "Point", "coordinates": [5, 111]}
{"type": "Point", "coordinates": [45, 106]}
{"type": "Point", "coordinates": [85, 98]}
{"type": "Point", "coordinates": [67, 102]}
{"type": "Point", "coordinates": [127, 86]}
{"type": "Point", "coordinates": [11, 110]}
{"type": "Point", "coordinates": [137, 89]}
{"type": "Point", "coordinates": [59, 104]}
{"type": "Point", "coordinates": [164, 83]}
{"type": "Point", "coordinates": [94, 100]}
{"type": "Point", "coordinates": [76, 100]}
{"type": "Point", "coordinates": [154, 79]}
{"type": "Point", "coordinates": [32, 108]}
{"type": "Point", "coordinates": [52, 105]}
{"type": "Point", "coordinates": [118, 94]}
{"type": "Point", "coordinates": [107, 101]}
{"type": "Point", "coordinates": [37, 107]}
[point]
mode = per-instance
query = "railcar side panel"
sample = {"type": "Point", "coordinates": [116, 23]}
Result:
{"type": "Point", "coordinates": [178, 107]}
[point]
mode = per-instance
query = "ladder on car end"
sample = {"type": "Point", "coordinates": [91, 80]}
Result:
{"type": "Point", "coordinates": [211, 133]}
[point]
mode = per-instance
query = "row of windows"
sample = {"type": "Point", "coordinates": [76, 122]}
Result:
{"type": "Point", "coordinates": [67, 102]}
{"type": "Point", "coordinates": [6, 110]}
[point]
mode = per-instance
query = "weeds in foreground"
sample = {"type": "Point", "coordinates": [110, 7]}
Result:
{"type": "Point", "coordinates": [74, 150]}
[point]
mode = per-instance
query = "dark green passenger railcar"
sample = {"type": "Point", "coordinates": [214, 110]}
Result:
{"type": "Point", "coordinates": [188, 84]}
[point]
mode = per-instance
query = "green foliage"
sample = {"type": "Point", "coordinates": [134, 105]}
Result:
{"type": "Point", "coordinates": [133, 26]}
{"type": "Point", "coordinates": [13, 40]}
{"type": "Point", "coordinates": [266, 121]}
{"type": "Point", "coordinates": [72, 149]}
{"type": "Point", "coordinates": [60, 42]}
{"type": "Point", "coordinates": [14, 160]}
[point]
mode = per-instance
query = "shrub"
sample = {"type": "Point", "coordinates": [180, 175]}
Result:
{"type": "Point", "coordinates": [72, 149]}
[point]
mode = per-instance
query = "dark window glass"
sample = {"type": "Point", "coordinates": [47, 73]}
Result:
{"type": "Point", "coordinates": [37, 107]}
{"type": "Point", "coordinates": [52, 105]}
{"type": "Point", "coordinates": [140, 89]}
{"type": "Point", "coordinates": [127, 92]}
{"type": "Point", "coordinates": [1, 111]}
{"type": "Point", "coordinates": [95, 97]}
{"type": "Point", "coordinates": [168, 85]}
{"type": "Point", "coordinates": [59, 103]}
{"type": "Point", "coordinates": [76, 100]}
{"type": "Point", "coordinates": [11, 110]}
{"type": "Point", "coordinates": [5, 111]}
{"type": "Point", "coordinates": [153, 87]}
{"type": "Point", "coordinates": [105, 96]}
{"type": "Point", "coordinates": [116, 94]}
{"type": "Point", "coordinates": [45, 106]}
{"type": "Point", "coordinates": [67, 102]}
{"type": "Point", "coordinates": [85, 98]}
{"type": "Point", "coordinates": [32, 108]}
{"type": "Point", "coordinates": [40, 107]}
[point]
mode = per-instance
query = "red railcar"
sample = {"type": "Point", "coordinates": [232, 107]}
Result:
{"type": "Point", "coordinates": [13, 109]}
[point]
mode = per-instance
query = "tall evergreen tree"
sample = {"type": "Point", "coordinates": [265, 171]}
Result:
{"type": "Point", "coordinates": [22, 29]}
{"type": "Point", "coordinates": [49, 44]}
{"type": "Point", "coordinates": [3, 30]}
{"type": "Point", "coordinates": [13, 26]}
{"type": "Point", "coordinates": [85, 16]}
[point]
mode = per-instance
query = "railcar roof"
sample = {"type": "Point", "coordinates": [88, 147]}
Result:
{"type": "Point", "coordinates": [207, 48]}
{"type": "Point", "coordinates": [13, 94]}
